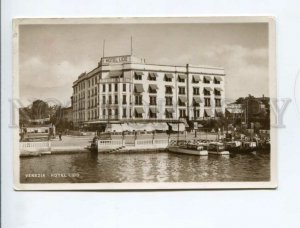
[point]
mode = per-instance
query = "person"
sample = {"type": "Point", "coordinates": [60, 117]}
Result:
{"type": "Point", "coordinates": [59, 135]}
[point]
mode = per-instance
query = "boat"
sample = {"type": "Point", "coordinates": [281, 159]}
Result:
{"type": "Point", "coordinates": [192, 149]}
{"type": "Point", "coordinates": [217, 148]}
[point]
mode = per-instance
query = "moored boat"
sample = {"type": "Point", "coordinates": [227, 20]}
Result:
{"type": "Point", "coordinates": [193, 149]}
{"type": "Point", "coordinates": [217, 148]}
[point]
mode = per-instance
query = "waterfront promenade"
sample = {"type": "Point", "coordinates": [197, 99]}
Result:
{"type": "Point", "coordinates": [78, 144]}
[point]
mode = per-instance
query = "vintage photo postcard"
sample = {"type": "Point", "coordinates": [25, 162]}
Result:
{"type": "Point", "coordinates": [144, 103]}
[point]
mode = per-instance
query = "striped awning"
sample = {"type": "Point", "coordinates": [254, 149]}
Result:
{"type": "Point", "coordinates": [153, 110]}
{"type": "Point", "coordinates": [139, 110]}
{"type": "Point", "coordinates": [153, 86]}
{"type": "Point", "coordinates": [177, 127]}
{"type": "Point", "coordinates": [169, 110]}
{"type": "Point", "coordinates": [196, 78]}
{"type": "Point", "coordinates": [208, 78]}
{"type": "Point", "coordinates": [219, 89]}
{"type": "Point", "coordinates": [138, 88]}
{"type": "Point", "coordinates": [160, 126]}
{"type": "Point", "coordinates": [114, 74]}
{"type": "Point", "coordinates": [218, 78]}
{"type": "Point", "coordinates": [182, 99]}
{"type": "Point", "coordinates": [182, 76]}
{"type": "Point", "coordinates": [169, 75]}
{"type": "Point", "coordinates": [138, 73]}
{"type": "Point", "coordinates": [153, 75]}
{"type": "Point", "coordinates": [208, 112]}
{"type": "Point", "coordinates": [197, 100]}
{"type": "Point", "coordinates": [208, 88]}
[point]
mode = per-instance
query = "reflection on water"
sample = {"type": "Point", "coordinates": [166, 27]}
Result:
{"type": "Point", "coordinates": [145, 167]}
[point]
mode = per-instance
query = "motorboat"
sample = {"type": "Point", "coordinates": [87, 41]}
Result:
{"type": "Point", "coordinates": [217, 148]}
{"type": "Point", "coordinates": [193, 149]}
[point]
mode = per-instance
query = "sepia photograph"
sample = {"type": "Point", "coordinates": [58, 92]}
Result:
{"type": "Point", "coordinates": [144, 103]}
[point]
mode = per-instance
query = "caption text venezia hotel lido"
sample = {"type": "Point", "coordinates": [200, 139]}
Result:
{"type": "Point", "coordinates": [126, 89]}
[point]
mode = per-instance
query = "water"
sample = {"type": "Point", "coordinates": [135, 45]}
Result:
{"type": "Point", "coordinates": [144, 167]}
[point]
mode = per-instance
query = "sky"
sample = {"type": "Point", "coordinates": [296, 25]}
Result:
{"type": "Point", "coordinates": [51, 57]}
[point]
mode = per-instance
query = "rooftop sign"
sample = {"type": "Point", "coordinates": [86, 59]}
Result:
{"type": "Point", "coordinates": [116, 59]}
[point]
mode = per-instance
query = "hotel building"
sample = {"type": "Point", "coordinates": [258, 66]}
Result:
{"type": "Point", "coordinates": [125, 89]}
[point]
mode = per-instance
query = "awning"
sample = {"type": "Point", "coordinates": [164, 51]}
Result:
{"type": "Point", "coordinates": [169, 75]}
{"type": "Point", "coordinates": [160, 126]}
{"type": "Point", "coordinates": [152, 75]}
{"type": "Point", "coordinates": [169, 110]}
{"type": "Point", "coordinates": [139, 110]}
{"type": "Point", "coordinates": [175, 126]}
{"type": "Point", "coordinates": [208, 88]}
{"type": "Point", "coordinates": [114, 128]}
{"type": "Point", "coordinates": [149, 127]}
{"type": "Point", "coordinates": [208, 112]}
{"type": "Point", "coordinates": [197, 100]}
{"type": "Point", "coordinates": [196, 78]}
{"type": "Point", "coordinates": [153, 86]}
{"type": "Point", "coordinates": [138, 73]}
{"type": "Point", "coordinates": [219, 112]}
{"type": "Point", "coordinates": [183, 99]}
{"type": "Point", "coordinates": [138, 88]}
{"type": "Point", "coordinates": [153, 110]}
{"type": "Point", "coordinates": [218, 78]}
{"type": "Point", "coordinates": [182, 76]}
{"type": "Point", "coordinates": [113, 74]}
{"type": "Point", "coordinates": [219, 89]}
{"type": "Point", "coordinates": [234, 110]}
{"type": "Point", "coordinates": [140, 127]}
{"type": "Point", "coordinates": [208, 78]}
{"type": "Point", "coordinates": [170, 86]}
{"type": "Point", "coordinates": [130, 127]}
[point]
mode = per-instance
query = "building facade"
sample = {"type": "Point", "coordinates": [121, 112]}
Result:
{"type": "Point", "coordinates": [126, 88]}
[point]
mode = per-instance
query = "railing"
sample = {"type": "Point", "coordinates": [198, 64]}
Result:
{"type": "Point", "coordinates": [45, 144]}
{"type": "Point", "coordinates": [115, 80]}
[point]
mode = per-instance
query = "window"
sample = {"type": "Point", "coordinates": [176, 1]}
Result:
{"type": "Point", "coordinates": [138, 100]}
{"type": "Point", "coordinates": [169, 90]}
{"type": "Point", "coordinates": [218, 102]}
{"type": "Point", "coordinates": [116, 112]}
{"type": "Point", "coordinates": [206, 92]}
{"type": "Point", "coordinates": [103, 100]}
{"type": "Point", "coordinates": [181, 78]}
{"type": "Point", "coordinates": [207, 102]}
{"type": "Point", "coordinates": [168, 77]}
{"type": "Point", "coordinates": [217, 92]}
{"type": "Point", "coordinates": [116, 99]}
{"type": "Point", "coordinates": [152, 76]}
{"type": "Point", "coordinates": [181, 90]}
{"type": "Point", "coordinates": [124, 99]}
{"type": "Point", "coordinates": [138, 75]}
{"type": "Point", "coordinates": [152, 114]}
{"type": "Point", "coordinates": [124, 87]}
{"type": "Point", "coordinates": [216, 81]}
{"type": "Point", "coordinates": [124, 113]}
{"type": "Point", "coordinates": [152, 88]}
{"type": "Point", "coordinates": [138, 115]}
{"type": "Point", "coordinates": [103, 87]}
{"type": "Point", "coordinates": [169, 114]}
{"type": "Point", "coordinates": [182, 113]}
{"type": "Point", "coordinates": [109, 99]}
{"type": "Point", "coordinates": [103, 113]}
{"type": "Point", "coordinates": [169, 101]}
{"type": "Point", "coordinates": [196, 91]}
{"type": "Point", "coordinates": [152, 100]}
{"type": "Point", "coordinates": [109, 87]}
{"type": "Point", "coordinates": [206, 80]}
{"type": "Point", "coordinates": [109, 112]}
{"type": "Point", "coordinates": [196, 114]}
{"type": "Point", "coordinates": [116, 87]}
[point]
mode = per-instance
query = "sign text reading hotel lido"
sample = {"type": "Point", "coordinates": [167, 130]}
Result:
{"type": "Point", "coordinates": [116, 59]}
